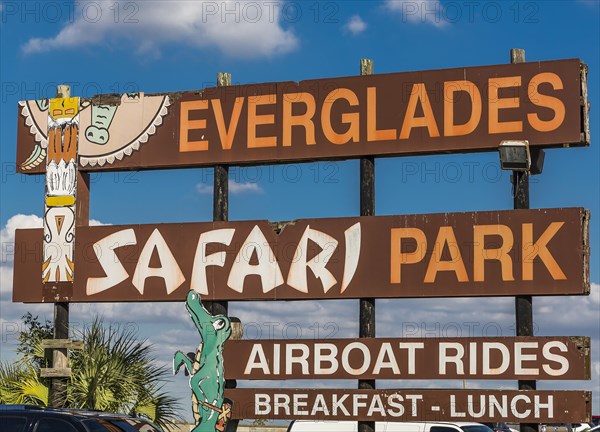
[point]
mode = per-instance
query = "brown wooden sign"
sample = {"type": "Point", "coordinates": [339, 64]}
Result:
{"type": "Point", "coordinates": [499, 253]}
{"type": "Point", "coordinates": [439, 111]}
{"type": "Point", "coordinates": [412, 405]}
{"type": "Point", "coordinates": [526, 358]}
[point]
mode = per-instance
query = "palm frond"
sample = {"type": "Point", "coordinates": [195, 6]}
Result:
{"type": "Point", "coordinates": [20, 384]}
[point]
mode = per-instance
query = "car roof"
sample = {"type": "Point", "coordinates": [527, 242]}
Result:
{"type": "Point", "coordinates": [74, 412]}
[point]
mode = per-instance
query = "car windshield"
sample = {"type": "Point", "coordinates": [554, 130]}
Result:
{"type": "Point", "coordinates": [120, 425]}
{"type": "Point", "coordinates": [476, 428]}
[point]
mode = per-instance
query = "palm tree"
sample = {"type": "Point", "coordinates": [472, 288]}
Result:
{"type": "Point", "coordinates": [113, 372]}
{"type": "Point", "coordinates": [20, 384]}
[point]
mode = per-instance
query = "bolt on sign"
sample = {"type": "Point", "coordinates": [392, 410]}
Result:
{"type": "Point", "coordinates": [440, 111]}
{"type": "Point", "coordinates": [498, 253]}
{"type": "Point", "coordinates": [411, 405]}
{"type": "Point", "coordinates": [523, 358]}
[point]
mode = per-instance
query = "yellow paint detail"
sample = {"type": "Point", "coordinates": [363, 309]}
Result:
{"type": "Point", "coordinates": [64, 107]}
{"type": "Point", "coordinates": [60, 201]}
{"type": "Point", "coordinates": [70, 264]}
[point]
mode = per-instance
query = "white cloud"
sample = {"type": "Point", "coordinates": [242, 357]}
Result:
{"type": "Point", "coordinates": [235, 188]}
{"type": "Point", "coordinates": [21, 221]}
{"type": "Point", "coordinates": [419, 11]}
{"type": "Point", "coordinates": [355, 25]}
{"type": "Point", "coordinates": [204, 189]}
{"type": "Point", "coordinates": [239, 188]}
{"type": "Point", "coordinates": [7, 235]}
{"type": "Point", "coordinates": [238, 29]}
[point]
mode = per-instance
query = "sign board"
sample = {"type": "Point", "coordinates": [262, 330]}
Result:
{"type": "Point", "coordinates": [520, 358]}
{"type": "Point", "coordinates": [440, 111]}
{"type": "Point", "coordinates": [498, 253]}
{"type": "Point", "coordinates": [412, 405]}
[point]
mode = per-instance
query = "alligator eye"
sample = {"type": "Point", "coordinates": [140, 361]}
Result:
{"type": "Point", "coordinates": [219, 324]}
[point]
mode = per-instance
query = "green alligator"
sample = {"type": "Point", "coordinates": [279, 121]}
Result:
{"type": "Point", "coordinates": [207, 378]}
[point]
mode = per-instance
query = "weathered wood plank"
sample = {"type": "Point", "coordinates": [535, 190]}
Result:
{"type": "Point", "coordinates": [55, 372]}
{"type": "Point", "coordinates": [61, 343]}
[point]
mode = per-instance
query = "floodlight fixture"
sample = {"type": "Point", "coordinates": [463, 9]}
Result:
{"type": "Point", "coordinates": [514, 155]}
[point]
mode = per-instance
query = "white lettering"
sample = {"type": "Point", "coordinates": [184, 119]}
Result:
{"type": "Point", "coordinates": [548, 355]}
{"type": "Point", "coordinates": [321, 358]}
{"type": "Point", "coordinates": [297, 277]}
{"type": "Point", "coordinates": [300, 403]}
{"type": "Point", "coordinates": [282, 401]}
{"type": "Point", "coordinates": [169, 270]}
{"type": "Point", "coordinates": [446, 358]}
{"type": "Point", "coordinates": [339, 404]}
{"type": "Point", "coordinates": [514, 407]}
{"type": "Point", "coordinates": [376, 406]}
{"type": "Point", "coordinates": [538, 405]}
{"type": "Point", "coordinates": [201, 260]}
{"type": "Point", "coordinates": [392, 403]}
{"type": "Point", "coordinates": [356, 398]}
{"type": "Point", "coordinates": [262, 403]}
{"type": "Point", "coordinates": [257, 360]}
{"type": "Point", "coordinates": [267, 267]}
{"type": "Point", "coordinates": [353, 239]}
{"type": "Point", "coordinates": [453, 412]}
{"type": "Point", "coordinates": [302, 359]}
{"type": "Point", "coordinates": [520, 358]}
{"type": "Point", "coordinates": [487, 368]}
{"type": "Point", "coordinates": [108, 259]}
{"type": "Point", "coordinates": [411, 347]}
{"type": "Point", "coordinates": [346, 358]}
{"type": "Point", "coordinates": [320, 406]}
{"type": "Point", "coordinates": [413, 403]}
{"type": "Point", "coordinates": [381, 363]}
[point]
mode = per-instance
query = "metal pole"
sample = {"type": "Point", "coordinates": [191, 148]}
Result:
{"type": "Point", "coordinates": [221, 197]}
{"type": "Point", "coordinates": [523, 304]}
{"type": "Point", "coordinates": [221, 214]}
{"type": "Point", "coordinates": [367, 208]}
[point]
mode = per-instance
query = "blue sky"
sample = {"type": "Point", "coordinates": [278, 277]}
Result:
{"type": "Point", "coordinates": [107, 47]}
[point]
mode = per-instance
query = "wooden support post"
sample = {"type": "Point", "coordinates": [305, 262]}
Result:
{"type": "Point", "coordinates": [58, 385]}
{"type": "Point", "coordinates": [367, 208]}
{"type": "Point", "coordinates": [523, 304]}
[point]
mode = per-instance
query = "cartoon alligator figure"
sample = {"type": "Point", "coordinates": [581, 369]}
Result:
{"type": "Point", "coordinates": [207, 378]}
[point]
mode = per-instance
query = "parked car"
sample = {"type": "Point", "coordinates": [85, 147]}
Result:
{"type": "Point", "coordinates": [352, 426]}
{"type": "Point", "coordinates": [498, 426]}
{"type": "Point", "coordinates": [25, 418]}
{"type": "Point", "coordinates": [580, 427]}
{"type": "Point", "coordinates": [596, 420]}
{"type": "Point", "coordinates": [569, 427]}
